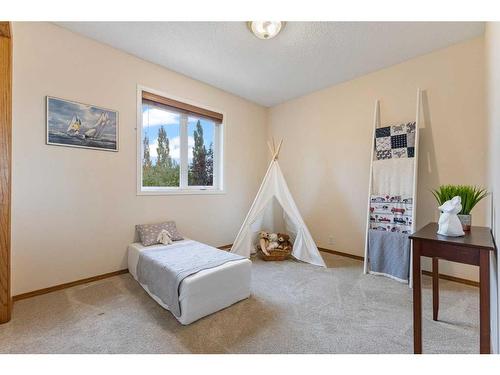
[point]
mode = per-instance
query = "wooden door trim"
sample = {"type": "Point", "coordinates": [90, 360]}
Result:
{"type": "Point", "coordinates": [5, 168]}
{"type": "Point", "coordinates": [5, 29]}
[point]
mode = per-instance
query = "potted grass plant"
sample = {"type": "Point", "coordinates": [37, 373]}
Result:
{"type": "Point", "coordinates": [470, 195]}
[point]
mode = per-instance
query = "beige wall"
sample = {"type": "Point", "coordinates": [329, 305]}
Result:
{"type": "Point", "coordinates": [492, 47]}
{"type": "Point", "coordinates": [74, 210]}
{"type": "Point", "coordinates": [326, 152]}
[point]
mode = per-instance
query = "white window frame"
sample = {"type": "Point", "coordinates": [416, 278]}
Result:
{"type": "Point", "coordinates": [219, 164]}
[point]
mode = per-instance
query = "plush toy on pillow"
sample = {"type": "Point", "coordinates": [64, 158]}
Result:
{"type": "Point", "coordinates": [164, 237]}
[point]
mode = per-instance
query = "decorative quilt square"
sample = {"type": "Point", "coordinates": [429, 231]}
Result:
{"type": "Point", "coordinates": [398, 141]}
{"type": "Point", "coordinates": [410, 127]}
{"type": "Point", "coordinates": [384, 154]}
{"type": "Point", "coordinates": [383, 143]}
{"type": "Point", "coordinates": [399, 153]}
{"type": "Point", "coordinates": [398, 129]}
{"type": "Point", "coordinates": [410, 140]}
{"type": "Point", "coordinates": [383, 132]}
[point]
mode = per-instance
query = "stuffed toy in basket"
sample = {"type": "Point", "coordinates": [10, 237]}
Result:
{"type": "Point", "coordinates": [274, 246]}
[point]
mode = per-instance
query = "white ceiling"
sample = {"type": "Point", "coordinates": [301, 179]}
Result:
{"type": "Point", "coordinates": [304, 57]}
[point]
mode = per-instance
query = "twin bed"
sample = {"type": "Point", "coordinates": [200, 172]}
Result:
{"type": "Point", "coordinates": [205, 281]}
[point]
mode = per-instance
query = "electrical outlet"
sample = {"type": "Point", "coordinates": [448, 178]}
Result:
{"type": "Point", "coordinates": [330, 240]}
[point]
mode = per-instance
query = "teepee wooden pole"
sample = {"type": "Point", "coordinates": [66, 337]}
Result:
{"type": "Point", "coordinates": [270, 148]}
{"type": "Point", "coordinates": [278, 150]}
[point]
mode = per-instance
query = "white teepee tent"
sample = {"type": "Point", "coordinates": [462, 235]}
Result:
{"type": "Point", "coordinates": [274, 187]}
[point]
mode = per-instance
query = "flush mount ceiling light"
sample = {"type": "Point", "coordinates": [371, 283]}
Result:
{"type": "Point", "coordinates": [265, 29]}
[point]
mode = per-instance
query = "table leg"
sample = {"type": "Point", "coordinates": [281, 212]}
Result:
{"type": "Point", "coordinates": [435, 288]}
{"type": "Point", "coordinates": [484, 301]}
{"type": "Point", "coordinates": [417, 299]}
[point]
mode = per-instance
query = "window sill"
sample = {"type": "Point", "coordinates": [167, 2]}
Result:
{"type": "Point", "coordinates": [181, 192]}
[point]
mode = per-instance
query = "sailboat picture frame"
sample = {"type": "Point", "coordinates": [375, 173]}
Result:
{"type": "Point", "coordinates": [75, 124]}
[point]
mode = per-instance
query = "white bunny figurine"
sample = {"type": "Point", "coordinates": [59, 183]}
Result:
{"type": "Point", "coordinates": [449, 223]}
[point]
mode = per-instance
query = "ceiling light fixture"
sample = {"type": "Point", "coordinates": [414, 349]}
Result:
{"type": "Point", "coordinates": [265, 29]}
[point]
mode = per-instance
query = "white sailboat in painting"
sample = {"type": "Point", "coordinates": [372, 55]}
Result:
{"type": "Point", "coordinates": [75, 128]}
{"type": "Point", "coordinates": [96, 131]}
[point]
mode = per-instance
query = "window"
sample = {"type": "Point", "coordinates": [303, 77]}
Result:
{"type": "Point", "coordinates": [180, 147]}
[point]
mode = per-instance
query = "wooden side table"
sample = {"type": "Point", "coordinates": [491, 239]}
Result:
{"type": "Point", "coordinates": [474, 248]}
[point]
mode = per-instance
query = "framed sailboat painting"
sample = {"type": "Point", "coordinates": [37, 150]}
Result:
{"type": "Point", "coordinates": [76, 124]}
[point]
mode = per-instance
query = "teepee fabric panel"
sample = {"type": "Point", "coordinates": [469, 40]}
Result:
{"type": "Point", "coordinates": [274, 186]}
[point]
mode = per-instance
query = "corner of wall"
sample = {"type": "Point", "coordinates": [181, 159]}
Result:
{"type": "Point", "coordinates": [492, 60]}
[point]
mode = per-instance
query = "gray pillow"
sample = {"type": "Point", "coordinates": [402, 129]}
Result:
{"type": "Point", "coordinates": [148, 233]}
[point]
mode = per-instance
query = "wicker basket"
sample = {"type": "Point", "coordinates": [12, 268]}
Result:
{"type": "Point", "coordinates": [275, 255]}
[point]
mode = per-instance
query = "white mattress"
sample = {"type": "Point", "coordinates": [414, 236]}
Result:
{"type": "Point", "coordinates": [205, 292]}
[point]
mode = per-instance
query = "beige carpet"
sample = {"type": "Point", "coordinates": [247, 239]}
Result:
{"type": "Point", "coordinates": [294, 308]}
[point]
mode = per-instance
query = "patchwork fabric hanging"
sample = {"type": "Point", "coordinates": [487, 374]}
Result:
{"type": "Point", "coordinates": [397, 141]}
{"type": "Point", "coordinates": [391, 213]}
{"type": "Point", "coordinates": [392, 198]}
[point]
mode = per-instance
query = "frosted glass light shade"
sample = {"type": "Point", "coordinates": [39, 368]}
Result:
{"type": "Point", "coordinates": [265, 29]}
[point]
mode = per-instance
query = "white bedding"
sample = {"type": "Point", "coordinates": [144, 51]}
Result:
{"type": "Point", "coordinates": [205, 292]}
